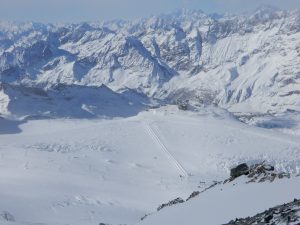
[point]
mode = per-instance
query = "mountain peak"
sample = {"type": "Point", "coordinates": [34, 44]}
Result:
{"type": "Point", "coordinates": [187, 53]}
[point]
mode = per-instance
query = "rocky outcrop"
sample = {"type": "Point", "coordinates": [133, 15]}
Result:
{"type": "Point", "coordinates": [170, 203]}
{"type": "Point", "coordinates": [260, 172]}
{"type": "Point", "coordinates": [286, 214]}
{"type": "Point", "coordinates": [239, 170]}
{"type": "Point", "coordinates": [183, 105]}
{"type": "Point", "coordinates": [196, 193]}
{"type": "Point", "coordinates": [264, 172]}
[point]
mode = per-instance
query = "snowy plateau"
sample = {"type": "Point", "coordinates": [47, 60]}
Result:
{"type": "Point", "coordinates": [141, 122]}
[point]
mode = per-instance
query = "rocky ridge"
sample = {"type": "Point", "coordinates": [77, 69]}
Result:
{"type": "Point", "coordinates": [286, 214]}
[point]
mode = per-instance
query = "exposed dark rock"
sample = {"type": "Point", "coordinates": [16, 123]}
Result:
{"type": "Point", "coordinates": [144, 217]}
{"type": "Point", "coordinates": [193, 195]}
{"type": "Point", "coordinates": [172, 202]}
{"type": "Point", "coordinates": [258, 173]}
{"type": "Point", "coordinates": [268, 218]}
{"type": "Point", "coordinates": [285, 214]}
{"type": "Point", "coordinates": [263, 172]}
{"type": "Point", "coordinates": [183, 105]}
{"type": "Point", "coordinates": [240, 170]}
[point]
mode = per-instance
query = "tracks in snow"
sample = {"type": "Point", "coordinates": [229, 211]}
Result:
{"type": "Point", "coordinates": [153, 134]}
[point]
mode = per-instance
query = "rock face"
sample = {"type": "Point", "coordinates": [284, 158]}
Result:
{"type": "Point", "coordinates": [240, 170]}
{"type": "Point", "coordinates": [241, 63]}
{"type": "Point", "coordinates": [286, 214]}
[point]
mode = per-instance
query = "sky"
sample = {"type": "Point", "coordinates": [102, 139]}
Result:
{"type": "Point", "coordinates": [99, 10]}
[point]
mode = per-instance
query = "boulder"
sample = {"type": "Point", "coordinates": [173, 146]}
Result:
{"type": "Point", "coordinates": [242, 169]}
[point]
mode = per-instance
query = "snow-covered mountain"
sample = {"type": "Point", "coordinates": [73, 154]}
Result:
{"type": "Point", "coordinates": [68, 101]}
{"type": "Point", "coordinates": [83, 168]}
{"type": "Point", "coordinates": [245, 63]}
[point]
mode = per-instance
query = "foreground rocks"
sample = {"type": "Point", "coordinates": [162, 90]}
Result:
{"type": "Point", "coordinates": [241, 169]}
{"type": "Point", "coordinates": [257, 173]}
{"type": "Point", "coordinates": [196, 193]}
{"type": "Point", "coordinates": [261, 172]}
{"type": "Point", "coordinates": [286, 214]}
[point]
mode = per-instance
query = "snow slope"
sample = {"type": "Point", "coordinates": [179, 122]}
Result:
{"type": "Point", "coordinates": [223, 204]}
{"type": "Point", "coordinates": [69, 171]}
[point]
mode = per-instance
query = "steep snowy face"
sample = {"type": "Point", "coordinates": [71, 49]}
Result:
{"type": "Point", "coordinates": [242, 63]}
{"type": "Point", "coordinates": [68, 101]}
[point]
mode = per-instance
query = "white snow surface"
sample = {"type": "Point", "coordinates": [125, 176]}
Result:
{"type": "Point", "coordinates": [223, 204]}
{"type": "Point", "coordinates": [80, 171]}
{"type": "Point", "coordinates": [80, 146]}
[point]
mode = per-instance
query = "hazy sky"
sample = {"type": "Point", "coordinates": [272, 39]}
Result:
{"type": "Point", "coordinates": [88, 10]}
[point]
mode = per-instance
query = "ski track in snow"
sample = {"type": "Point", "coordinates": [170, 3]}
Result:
{"type": "Point", "coordinates": [153, 134]}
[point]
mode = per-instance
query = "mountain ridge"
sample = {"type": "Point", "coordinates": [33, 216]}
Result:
{"type": "Point", "coordinates": [243, 63]}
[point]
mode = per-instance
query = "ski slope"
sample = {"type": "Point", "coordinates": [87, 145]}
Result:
{"type": "Point", "coordinates": [91, 171]}
{"type": "Point", "coordinates": [152, 133]}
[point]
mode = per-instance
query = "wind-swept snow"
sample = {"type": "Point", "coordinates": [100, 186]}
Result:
{"type": "Point", "coordinates": [69, 171]}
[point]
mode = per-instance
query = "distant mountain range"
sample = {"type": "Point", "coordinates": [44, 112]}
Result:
{"type": "Point", "coordinates": [244, 63]}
